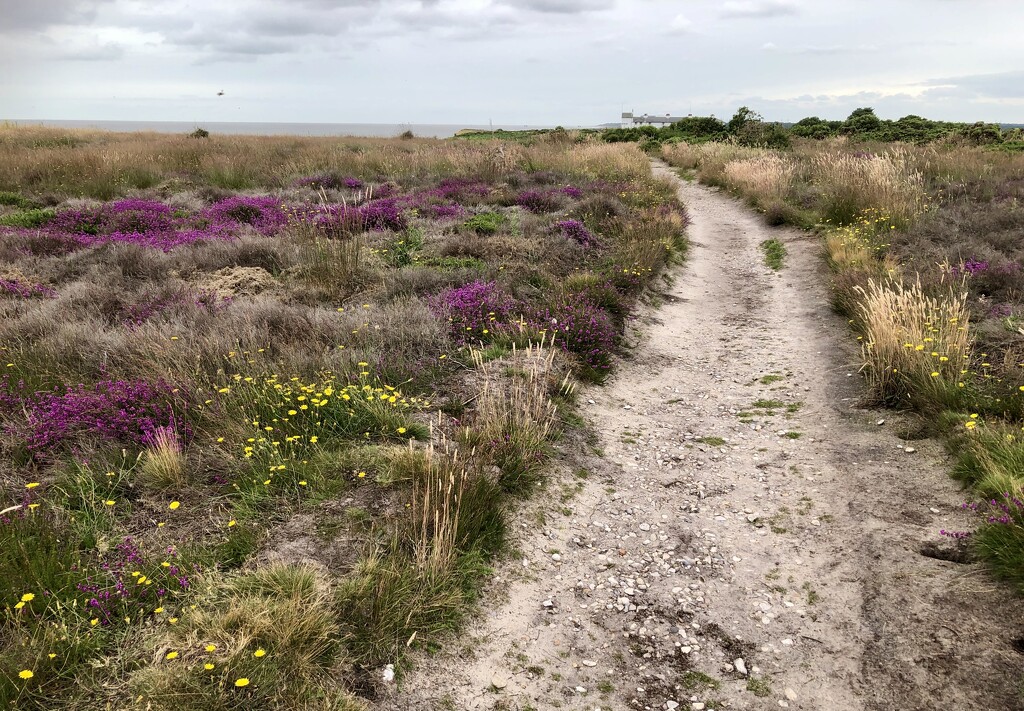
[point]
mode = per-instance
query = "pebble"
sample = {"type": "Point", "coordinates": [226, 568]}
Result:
{"type": "Point", "coordinates": [671, 705]}
{"type": "Point", "coordinates": [589, 663]}
{"type": "Point", "coordinates": [740, 665]}
{"type": "Point", "coordinates": [790, 694]}
{"type": "Point", "coordinates": [909, 450]}
{"type": "Point", "coordinates": [499, 682]}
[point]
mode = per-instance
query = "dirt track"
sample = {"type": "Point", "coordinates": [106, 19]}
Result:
{"type": "Point", "coordinates": [794, 546]}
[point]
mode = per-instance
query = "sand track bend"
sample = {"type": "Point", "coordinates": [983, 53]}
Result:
{"type": "Point", "coordinates": [750, 538]}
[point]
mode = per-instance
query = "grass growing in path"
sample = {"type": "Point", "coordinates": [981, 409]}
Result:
{"type": "Point", "coordinates": [774, 253]}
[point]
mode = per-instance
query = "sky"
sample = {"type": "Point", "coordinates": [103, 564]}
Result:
{"type": "Point", "coordinates": [538, 62]}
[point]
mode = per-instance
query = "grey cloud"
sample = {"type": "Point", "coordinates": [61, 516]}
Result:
{"type": "Point", "coordinates": [758, 8]}
{"type": "Point", "coordinates": [1003, 85]}
{"type": "Point", "coordinates": [40, 14]}
{"type": "Point", "coordinates": [560, 7]}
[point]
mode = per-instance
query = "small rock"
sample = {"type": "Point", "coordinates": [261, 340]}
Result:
{"type": "Point", "coordinates": [909, 450]}
{"type": "Point", "coordinates": [498, 681]}
{"type": "Point", "coordinates": [790, 694]}
{"type": "Point", "coordinates": [752, 518]}
{"type": "Point", "coordinates": [934, 510]}
{"type": "Point", "coordinates": [547, 603]}
{"type": "Point", "coordinates": [588, 663]}
{"type": "Point", "coordinates": [556, 557]}
{"type": "Point", "coordinates": [671, 705]}
{"type": "Point", "coordinates": [389, 673]}
{"type": "Point", "coordinates": [740, 665]}
{"type": "Point", "coordinates": [880, 423]}
{"type": "Point", "coordinates": [697, 706]}
{"type": "Point", "coordinates": [581, 689]}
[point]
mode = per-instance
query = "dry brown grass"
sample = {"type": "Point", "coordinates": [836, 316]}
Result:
{"type": "Point", "coordinates": [887, 182]}
{"type": "Point", "coordinates": [916, 346]}
{"type": "Point", "coordinates": [768, 177]}
{"type": "Point", "coordinates": [78, 162]}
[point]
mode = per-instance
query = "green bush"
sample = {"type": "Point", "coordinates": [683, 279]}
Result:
{"type": "Point", "coordinates": [486, 223]}
{"type": "Point", "coordinates": [27, 218]}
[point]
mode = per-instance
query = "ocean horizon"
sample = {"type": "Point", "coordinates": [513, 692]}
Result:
{"type": "Point", "coordinates": [254, 128]}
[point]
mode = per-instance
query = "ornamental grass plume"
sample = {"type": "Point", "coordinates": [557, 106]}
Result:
{"type": "Point", "coordinates": [163, 461]}
{"type": "Point", "coordinates": [916, 346]}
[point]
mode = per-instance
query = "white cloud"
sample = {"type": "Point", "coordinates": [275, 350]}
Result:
{"type": "Point", "coordinates": [758, 8]}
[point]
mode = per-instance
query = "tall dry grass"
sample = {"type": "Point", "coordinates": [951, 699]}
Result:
{"type": "Point", "coordinates": [850, 183]}
{"type": "Point", "coordinates": [65, 162]}
{"type": "Point", "coordinates": [768, 177]}
{"type": "Point", "coordinates": [916, 346]}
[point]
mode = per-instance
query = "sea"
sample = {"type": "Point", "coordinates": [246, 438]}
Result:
{"type": "Point", "coordinates": [425, 130]}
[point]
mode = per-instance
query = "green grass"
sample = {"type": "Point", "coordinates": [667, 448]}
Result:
{"type": "Point", "coordinates": [698, 681]}
{"type": "Point", "coordinates": [29, 218]}
{"type": "Point", "coordinates": [774, 253]}
{"type": "Point", "coordinates": [764, 404]}
{"type": "Point", "coordinates": [712, 441]}
{"type": "Point", "coordinates": [760, 687]}
{"type": "Point", "coordinates": [486, 223]}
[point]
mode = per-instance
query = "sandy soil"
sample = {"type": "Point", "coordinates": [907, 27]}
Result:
{"type": "Point", "coordinates": [779, 568]}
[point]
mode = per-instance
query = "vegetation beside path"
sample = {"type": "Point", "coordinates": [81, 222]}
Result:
{"type": "Point", "coordinates": [267, 404]}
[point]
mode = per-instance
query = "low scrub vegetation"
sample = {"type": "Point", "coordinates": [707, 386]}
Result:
{"type": "Point", "coordinates": [256, 445]}
{"type": "Point", "coordinates": [928, 265]}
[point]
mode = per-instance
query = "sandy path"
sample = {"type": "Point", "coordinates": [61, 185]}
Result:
{"type": "Point", "coordinates": [795, 553]}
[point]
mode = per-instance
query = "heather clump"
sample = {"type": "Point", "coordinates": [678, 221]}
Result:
{"type": "Point", "coordinates": [537, 202]}
{"type": "Point", "coordinates": [122, 411]}
{"type": "Point", "coordinates": [576, 231]}
{"type": "Point", "coordinates": [478, 311]}
{"type": "Point", "coordinates": [583, 329]}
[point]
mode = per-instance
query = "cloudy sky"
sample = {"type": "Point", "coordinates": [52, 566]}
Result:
{"type": "Point", "coordinates": [571, 62]}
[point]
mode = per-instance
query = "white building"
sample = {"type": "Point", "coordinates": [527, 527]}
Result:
{"type": "Point", "coordinates": [631, 120]}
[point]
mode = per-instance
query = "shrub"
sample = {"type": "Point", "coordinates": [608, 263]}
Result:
{"type": "Point", "coordinates": [486, 223]}
{"type": "Point", "coordinates": [577, 232]}
{"type": "Point", "coordinates": [127, 412]}
{"type": "Point", "coordinates": [27, 219]}
{"type": "Point", "coordinates": [477, 311]}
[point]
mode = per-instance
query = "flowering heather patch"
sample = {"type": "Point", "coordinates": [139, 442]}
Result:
{"type": "Point", "coordinates": [442, 211]}
{"type": "Point", "coordinates": [536, 202]}
{"type": "Point", "coordinates": [117, 410]}
{"type": "Point", "coordinates": [971, 267]}
{"type": "Point", "coordinates": [154, 224]}
{"type": "Point", "coordinates": [577, 232]}
{"type": "Point", "coordinates": [25, 291]}
{"type": "Point", "coordinates": [264, 214]}
{"type": "Point", "coordinates": [581, 328]}
{"type": "Point", "coordinates": [476, 310]}
{"type": "Point", "coordinates": [572, 191]}
{"type": "Point", "coordinates": [345, 220]}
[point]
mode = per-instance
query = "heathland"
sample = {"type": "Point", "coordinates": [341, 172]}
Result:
{"type": "Point", "coordinates": [268, 404]}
